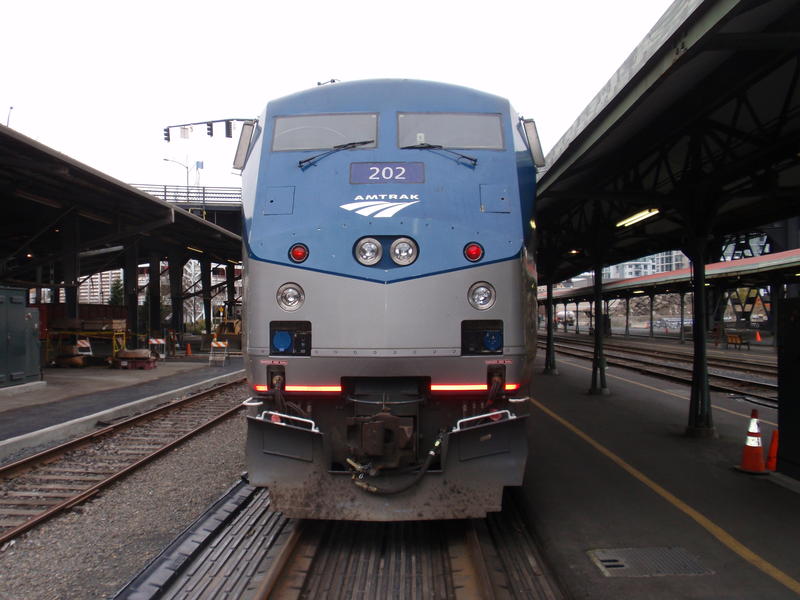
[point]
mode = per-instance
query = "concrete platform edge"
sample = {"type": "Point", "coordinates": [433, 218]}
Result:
{"type": "Point", "coordinates": [13, 390]}
{"type": "Point", "coordinates": [83, 425]}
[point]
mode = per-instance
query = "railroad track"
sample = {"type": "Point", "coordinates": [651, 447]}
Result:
{"type": "Point", "coordinates": [40, 486]}
{"type": "Point", "coordinates": [256, 553]}
{"type": "Point", "coordinates": [759, 366]}
{"type": "Point", "coordinates": [461, 560]}
{"type": "Point", "coordinates": [724, 375]}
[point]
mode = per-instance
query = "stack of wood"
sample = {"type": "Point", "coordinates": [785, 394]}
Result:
{"type": "Point", "coordinates": [134, 359]}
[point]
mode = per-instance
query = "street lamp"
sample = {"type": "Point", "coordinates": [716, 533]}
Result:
{"type": "Point", "coordinates": [185, 167]}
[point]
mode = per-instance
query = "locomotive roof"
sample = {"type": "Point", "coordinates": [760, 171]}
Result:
{"type": "Point", "coordinates": [377, 94]}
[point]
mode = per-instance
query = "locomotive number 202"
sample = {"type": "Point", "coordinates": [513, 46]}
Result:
{"type": "Point", "coordinates": [387, 173]}
{"type": "Point", "coordinates": [406, 172]}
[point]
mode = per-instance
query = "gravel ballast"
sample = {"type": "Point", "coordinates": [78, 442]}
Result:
{"type": "Point", "coordinates": [97, 547]}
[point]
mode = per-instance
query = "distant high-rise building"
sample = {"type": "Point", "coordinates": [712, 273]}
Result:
{"type": "Point", "coordinates": [648, 265]}
{"type": "Point", "coordinates": [97, 288]}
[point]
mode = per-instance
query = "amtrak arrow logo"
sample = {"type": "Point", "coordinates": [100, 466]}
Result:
{"type": "Point", "coordinates": [379, 209]}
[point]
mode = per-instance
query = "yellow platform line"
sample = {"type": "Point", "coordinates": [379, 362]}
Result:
{"type": "Point", "coordinates": [659, 390]}
{"type": "Point", "coordinates": [723, 536]}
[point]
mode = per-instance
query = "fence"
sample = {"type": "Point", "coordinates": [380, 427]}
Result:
{"type": "Point", "coordinates": [217, 198]}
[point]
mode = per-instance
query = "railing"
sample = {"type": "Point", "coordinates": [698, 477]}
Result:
{"type": "Point", "coordinates": [224, 198]}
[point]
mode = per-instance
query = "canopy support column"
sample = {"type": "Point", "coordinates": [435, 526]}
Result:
{"type": "Point", "coordinates": [130, 275]}
{"type": "Point", "coordinates": [700, 423]}
{"type": "Point", "coordinates": [230, 287]}
{"type": "Point", "coordinates": [71, 265]}
{"type": "Point", "coordinates": [205, 277]}
{"type": "Point", "coordinates": [550, 349]}
{"type": "Point", "coordinates": [599, 385]}
{"type": "Point", "coordinates": [176, 263]}
{"type": "Point", "coordinates": [154, 296]}
{"type": "Point", "coordinates": [627, 315]}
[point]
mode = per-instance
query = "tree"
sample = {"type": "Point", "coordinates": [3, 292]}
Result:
{"type": "Point", "coordinates": [117, 293]}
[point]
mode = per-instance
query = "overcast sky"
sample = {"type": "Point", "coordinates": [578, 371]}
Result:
{"type": "Point", "coordinates": [99, 80]}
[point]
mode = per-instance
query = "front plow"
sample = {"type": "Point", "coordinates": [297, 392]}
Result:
{"type": "Point", "coordinates": [473, 462]}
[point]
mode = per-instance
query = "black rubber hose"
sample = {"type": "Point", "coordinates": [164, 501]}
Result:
{"type": "Point", "coordinates": [389, 491]}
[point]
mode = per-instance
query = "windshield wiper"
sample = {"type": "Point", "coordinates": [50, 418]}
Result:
{"type": "Point", "coordinates": [307, 161]}
{"type": "Point", "coordinates": [426, 146]}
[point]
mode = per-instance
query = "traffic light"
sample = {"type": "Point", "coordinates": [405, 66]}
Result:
{"type": "Point", "coordinates": [166, 134]}
{"type": "Point", "coordinates": [210, 128]}
{"type": "Point", "coordinates": [228, 129]}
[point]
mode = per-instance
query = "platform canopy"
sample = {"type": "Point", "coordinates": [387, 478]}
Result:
{"type": "Point", "coordinates": [701, 124]}
{"type": "Point", "coordinates": [54, 206]}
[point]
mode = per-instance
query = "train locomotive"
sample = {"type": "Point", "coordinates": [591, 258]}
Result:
{"type": "Point", "coordinates": [389, 300]}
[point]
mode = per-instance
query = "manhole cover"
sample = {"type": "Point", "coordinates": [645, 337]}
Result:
{"type": "Point", "coordinates": [646, 562]}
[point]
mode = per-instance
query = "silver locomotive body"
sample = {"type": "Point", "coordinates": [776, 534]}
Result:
{"type": "Point", "coordinates": [385, 380]}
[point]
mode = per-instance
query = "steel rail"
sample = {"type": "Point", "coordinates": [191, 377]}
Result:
{"type": "Point", "coordinates": [753, 365]}
{"type": "Point", "coordinates": [287, 561]}
{"type": "Point", "coordinates": [50, 455]}
{"type": "Point", "coordinates": [468, 559]}
{"type": "Point", "coordinates": [53, 452]}
{"type": "Point", "coordinates": [716, 381]}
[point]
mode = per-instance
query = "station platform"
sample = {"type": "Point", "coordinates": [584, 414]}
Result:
{"type": "Point", "coordinates": [71, 401]}
{"type": "Point", "coordinates": [626, 506]}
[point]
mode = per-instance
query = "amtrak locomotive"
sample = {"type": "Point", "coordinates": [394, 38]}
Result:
{"type": "Point", "coordinates": [389, 300]}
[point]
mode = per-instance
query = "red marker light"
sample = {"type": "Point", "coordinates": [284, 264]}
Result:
{"type": "Point", "coordinates": [473, 252]}
{"type": "Point", "coordinates": [313, 388]}
{"type": "Point", "coordinates": [298, 253]}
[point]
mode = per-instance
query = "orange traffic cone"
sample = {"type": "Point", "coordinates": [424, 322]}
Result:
{"type": "Point", "coordinates": [188, 349]}
{"type": "Point", "coordinates": [753, 454]}
{"type": "Point", "coordinates": [772, 455]}
{"type": "Point", "coordinates": [758, 336]}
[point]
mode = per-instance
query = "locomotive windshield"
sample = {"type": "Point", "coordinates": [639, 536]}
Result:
{"type": "Point", "coordinates": [450, 130]}
{"type": "Point", "coordinates": [321, 132]}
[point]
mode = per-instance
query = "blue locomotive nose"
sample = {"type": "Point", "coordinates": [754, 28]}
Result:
{"type": "Point", "coordinates": [493, 340]}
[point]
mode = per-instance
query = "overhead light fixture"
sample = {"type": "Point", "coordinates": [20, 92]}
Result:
{"type": "Point", "coordinates": [194, 249]}
{"type": "Point", "coordinates": [639, 216]}
{"type": "Point", "coordinates": [574, 251]}
{"type": "Point", "coordinates": [638, 291]}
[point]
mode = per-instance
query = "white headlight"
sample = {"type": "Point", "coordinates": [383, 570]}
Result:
{"type": "Point", "coordinates": [368, 251]}
{"type": "Point", "coordinates": [403, 251]}
{"type": "Point", "coordinates": [481, 295]}
{"type": "Point", "coordinates": [290, 296]}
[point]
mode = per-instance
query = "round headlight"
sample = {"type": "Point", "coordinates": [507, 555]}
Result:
{"type": "Point", "coordinates": [481, 295]}
{"type": "Point", "coordinates": [368, 251]}
{"type": "Point", "coordinates": [290, 296]}
{"type": "Point", "coordinates": [403, 251]}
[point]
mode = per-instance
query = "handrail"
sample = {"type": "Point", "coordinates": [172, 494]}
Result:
{"type": "Point", "coordinates": [195, 195]}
